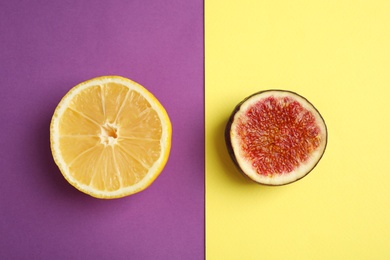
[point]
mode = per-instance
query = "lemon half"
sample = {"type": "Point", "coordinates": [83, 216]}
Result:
{"type": "Point", "coordinates": [110, 137]}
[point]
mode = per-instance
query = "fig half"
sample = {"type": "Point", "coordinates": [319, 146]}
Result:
{"type": "Point", "coordinates": [276, 137]}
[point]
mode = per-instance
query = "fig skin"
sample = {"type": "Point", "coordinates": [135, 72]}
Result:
{"type": "Point", "coordinates": [230, 147]}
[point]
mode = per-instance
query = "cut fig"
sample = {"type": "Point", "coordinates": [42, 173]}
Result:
{"type": "Point", "coordinates": [275, 137]}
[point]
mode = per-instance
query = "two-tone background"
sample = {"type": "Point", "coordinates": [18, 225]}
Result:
{"type": "Point", "coordinates": [199, 58]}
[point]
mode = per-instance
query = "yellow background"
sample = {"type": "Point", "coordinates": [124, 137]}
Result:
{"type": "Point", "coordinates": [337, 55]}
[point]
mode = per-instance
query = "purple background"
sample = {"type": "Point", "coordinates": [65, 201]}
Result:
{"type": "Point", "coordinates": [46, 48]}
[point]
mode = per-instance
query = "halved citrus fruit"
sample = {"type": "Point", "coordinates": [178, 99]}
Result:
{"type": "Point", "coordinates": [276, 137]}
{"type": "Point", "coordinates": [110, 137]}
